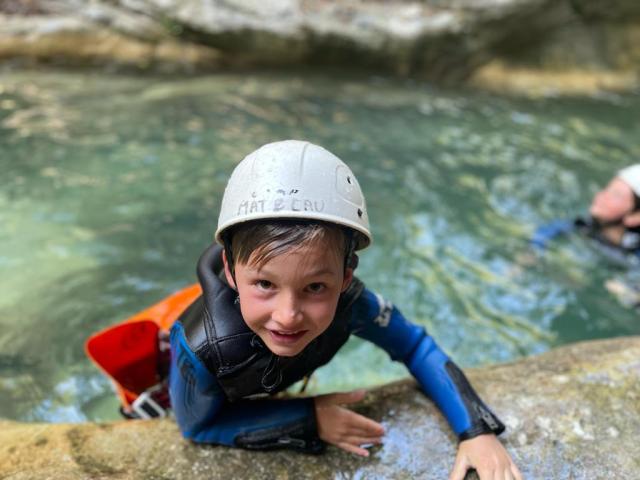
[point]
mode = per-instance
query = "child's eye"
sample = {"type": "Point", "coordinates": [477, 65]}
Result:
{"type": "Point", "coordinates": [316, 287]}
{"type": "Point", "coordinates": [264, 284]}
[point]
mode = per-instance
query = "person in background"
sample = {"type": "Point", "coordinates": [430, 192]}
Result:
{"type": "Point", "coordinates": [613, 223]}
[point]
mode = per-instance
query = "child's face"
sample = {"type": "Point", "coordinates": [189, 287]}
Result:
{"type": "Point", "coordinates": [613, 202]}
{"type": "Point", "coordinates": [292, 298]}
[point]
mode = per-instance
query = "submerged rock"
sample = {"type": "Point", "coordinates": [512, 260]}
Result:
{"type": "Point", "coordinates": [572, 413]}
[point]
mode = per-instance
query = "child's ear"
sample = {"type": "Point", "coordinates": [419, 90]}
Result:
{"type": "Point", "coordinates": [348, 277]}
{"type": "Point", "coordinates": [227, 270]}
{"type": "Point", "coordinates": [631, 219]}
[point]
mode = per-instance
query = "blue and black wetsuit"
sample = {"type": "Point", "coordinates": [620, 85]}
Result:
{"type": "Point", "coordinates": [547, 232]}
{"type": "Point", "coordinates": [629, 244]}
{"type": "Point", "coordinates": [222, 374]}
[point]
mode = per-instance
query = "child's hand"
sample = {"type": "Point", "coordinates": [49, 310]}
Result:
{"type": "Point", "coordinates": [343, 428]}
{"type": "Point", "coordinates": [486, 454]}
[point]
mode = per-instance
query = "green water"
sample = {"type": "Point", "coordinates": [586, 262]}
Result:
{"type": "Point", "coordinates": [110, 187]}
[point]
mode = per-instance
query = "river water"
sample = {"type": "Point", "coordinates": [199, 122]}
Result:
{"type": "Point", "coordinates": [111, 185]}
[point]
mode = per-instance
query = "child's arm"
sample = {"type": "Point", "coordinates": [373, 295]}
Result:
{"type": "Point", "coordinates": [380, 322]}
{"type": "Point", "coordinates": [204, 415]}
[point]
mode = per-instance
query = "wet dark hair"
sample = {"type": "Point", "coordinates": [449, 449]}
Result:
{"type": "Point", "coordinates": [269, 238]}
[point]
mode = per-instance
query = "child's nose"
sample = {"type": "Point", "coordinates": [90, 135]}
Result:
{"type": "Point", "coordinates": [288, 311]}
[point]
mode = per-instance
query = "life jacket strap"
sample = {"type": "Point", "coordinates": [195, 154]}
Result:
{"type": "Point", "coordinates": [152, 403]}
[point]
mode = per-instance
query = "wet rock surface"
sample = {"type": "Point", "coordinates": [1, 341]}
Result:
{"type": "Point", "coordinates": [572, 413]}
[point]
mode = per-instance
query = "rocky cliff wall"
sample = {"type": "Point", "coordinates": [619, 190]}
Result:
{"type": "Point", "coordinates": [570, 45]}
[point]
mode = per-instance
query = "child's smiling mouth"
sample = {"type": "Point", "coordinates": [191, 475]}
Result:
{"type": "Point", "coordinates": [287, 337]}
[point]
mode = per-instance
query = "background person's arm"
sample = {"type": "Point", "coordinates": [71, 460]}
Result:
{"type": "Point", "coordinates": [547, 232]}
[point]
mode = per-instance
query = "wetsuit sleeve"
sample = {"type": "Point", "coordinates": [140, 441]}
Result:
{"type": "Point", "coordinates": [380, 322]}
{"type": "Point", "coordinates": [545, 233]}
{"type": "Point", "coordinates": [205, 416]}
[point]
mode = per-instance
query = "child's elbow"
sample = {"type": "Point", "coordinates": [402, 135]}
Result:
{"type": "Point", "coordinates": [206, 433]}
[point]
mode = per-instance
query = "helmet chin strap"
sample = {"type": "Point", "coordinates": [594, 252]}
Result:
{"type": "Point", "coordinates": [226, 242]}
{"type": "Point", "coordinates": [350, 258]}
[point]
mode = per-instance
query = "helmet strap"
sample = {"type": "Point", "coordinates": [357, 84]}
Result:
{"type": "Point", "coordinates": [351, 258]}
{"type": "Point", "coordinates": [228, 253]}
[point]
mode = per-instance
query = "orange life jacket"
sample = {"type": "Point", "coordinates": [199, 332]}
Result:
{"type": "Point", "coordinates": [129, 352]}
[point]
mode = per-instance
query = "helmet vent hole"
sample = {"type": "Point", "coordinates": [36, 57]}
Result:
{"type": "Point", "coordinates": [359, 213]}
{"type": "Point", "coordinates": [349, 180]}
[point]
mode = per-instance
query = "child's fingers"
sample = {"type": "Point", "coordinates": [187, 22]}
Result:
{"type": "Point", "coordinates": [360, 440]}
{"type": "Point", "coordinates": [363, 425]}
{"type": "Point", "coordinates": [459, 469]}
{"type": "Point", "coordinates": [353, 449]}
{"type": "Point", "coordinates": [516, 472]}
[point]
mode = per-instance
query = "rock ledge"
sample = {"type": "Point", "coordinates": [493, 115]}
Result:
{"type": "Point", "coordinates": [572, 413]}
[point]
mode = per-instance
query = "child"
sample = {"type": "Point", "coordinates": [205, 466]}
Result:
{"type": "Point", "coordinates": [280, 299]}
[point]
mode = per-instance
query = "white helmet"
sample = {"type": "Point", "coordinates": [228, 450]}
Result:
{"type": "Point", "coordinates": [294, 179]}
{"type": "Point", "coordinates": [631, 176]}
